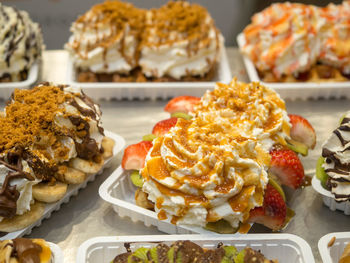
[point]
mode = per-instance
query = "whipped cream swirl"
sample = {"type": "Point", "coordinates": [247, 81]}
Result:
{"type": "Point", "coordinates": [180, 40]}
{"type": "Point", "coordinates": [106, 38]}
{"type": "Point", "coordinates": [214, 166]}
{"type": "Point", "coordinates": [21, 43]}
{"type": "Point", "coordinates": [336, 151]}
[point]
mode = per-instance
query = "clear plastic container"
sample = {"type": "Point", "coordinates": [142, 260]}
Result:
{"type": "Point", "coordinates": [328, 198]}
{"type": "Point", "coordinates": [298, 90]}
{"type": "Point", "coordinates": [333, 253]}
{"type": "Point", "coordinates": [286, 248]}
{"type": "Point", "coordinates": [71, 191]}
{"type": "Point", "coordinates": [150, 90]}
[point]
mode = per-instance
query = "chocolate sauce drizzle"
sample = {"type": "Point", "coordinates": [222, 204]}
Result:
{"type": "Point", "coordinates": [337, 173]}
{"type": "Point", "coordinates": [9, 194]}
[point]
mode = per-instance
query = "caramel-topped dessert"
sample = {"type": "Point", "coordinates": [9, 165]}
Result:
{"type": "Point", "coordinates": [214, 166]}
{"type": "Point", "coordinates": [117, 42]}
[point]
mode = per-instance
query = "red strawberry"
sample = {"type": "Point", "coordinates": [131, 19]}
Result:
{"type": "Point", "coordinates": [273, 212]}
{"type": "Point", "coordinates": [135, 155]}
{"type": "Point", "coordinates": [285, 164]}
{"type": "Point", "coordinates": [164, 126]}
{"type": "Point", "coordinates": [181, 104]}
{"type": "Point", "coordinates": [302, 131]}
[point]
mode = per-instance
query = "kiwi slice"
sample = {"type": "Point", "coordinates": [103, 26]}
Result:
{"type": "Point", "coordinates": [240, 257]}
{"type": "Point", "coordinates": [221, 226]}
{"type": "Point", "coordinates": [181, 115]}
{"type": "Point", "coordinates": [230, 254]}
{"type": "Point", "coordinates": [277, 186]}
{"type": "Point", "coordinates": [139, 254]}
{"type": "Point", "coordinates": [297, 147]}
{"type": "Point", "coordinates": [149, 137]}
{"type": "Point", "coordinates": [171, 253]}
{"type": "Point", "coordinates": [154, 254]}
{"type": "Point", "coordinates": [320, 173]}
{"type": "Point", "coordinates": [136, 178]}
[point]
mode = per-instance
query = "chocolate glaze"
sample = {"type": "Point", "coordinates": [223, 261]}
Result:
{"type": "Point", "coordinates": [9, 194]}
{"type": "Point", "coordinates": [26, 251]}
{"type": "Point", "coordinates": [338, 172]}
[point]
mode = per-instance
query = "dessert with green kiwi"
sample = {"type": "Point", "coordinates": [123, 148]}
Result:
{"type": "Point", "coordinates": [177, 168]}
{"type": "Point", "coordinates": [333, 166]}
{"type": "Point", "coordinates": [188, 252]}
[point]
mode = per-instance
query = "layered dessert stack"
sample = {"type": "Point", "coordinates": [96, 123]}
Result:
{"type": "Point", "coordinates": [218, 162]}
{"type": "Point", "coordinates": [50, 136]}
{"type": "Point", "coordinates": [117, 42]}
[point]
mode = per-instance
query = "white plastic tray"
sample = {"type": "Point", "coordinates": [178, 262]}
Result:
{"type": "Point", "coordinates": [72, 190]}
{"type": "Point", "coordinates": [297, 90]}
{"type": "Point", "coordinates": [56, 253]}
{"type": "Point", "coordinates": [286, 248]}
{"type": "Point", "coordinates": [332, 254]}
{"type": "Point", "coordinates": [119, 191]}
{"type": "Point", "coordinates": [150, 90]}
{"type": "Point", "coordinates": [328, 198]}
{"type": "Point", "coordinates": [6, 88]}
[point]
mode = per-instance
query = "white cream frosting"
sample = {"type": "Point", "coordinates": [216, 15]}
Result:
{"type": "Point", "coordinates": [21, 42]}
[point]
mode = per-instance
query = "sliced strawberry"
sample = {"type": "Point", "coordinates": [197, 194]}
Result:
{"type": "Point", "coordinates": [181, 104]}
{"type": "Point", "coordinates": [273, 212]}
{"type": "Point", "coordinates": [164, 126]}
{"type": "Point", "coordinates": [302, 131]}
{"type": "Point", "coordinates": [285, 164]}
{"type": "Point", "coordinates": [135, 155]}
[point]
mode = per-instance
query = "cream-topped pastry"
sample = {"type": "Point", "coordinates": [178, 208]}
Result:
{"type": "Point", "coordinates": [180, 39]}
{"type": "Point", "coordinates": [106, 38]}
{"type": "Point", "coordinates": [336, 151]}
{"type": "Point", "coordinates": [214, 166]}
{"type": "Point", "coordinates": [283, 39]}
{"type": "Point", "coordinates": [21, 44]}
{"type": "Point", "coordinates": [335, 50]}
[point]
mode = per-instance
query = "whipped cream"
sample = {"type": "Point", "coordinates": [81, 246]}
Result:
{"type": "Point", "coordinates": [336, 151]}
{"type": "Point", "coordinates": [180, 48]}
{"type": "Point", "coordinates": [335, 50]}
{"type": "Point", "coordinates": [285, 38]}
{"type": "Point", "coordinates": [105, 39]}
{"type": "Point", "coordinates": [21, 43]}
{"type": "Point", "coordinates": [214, 166]}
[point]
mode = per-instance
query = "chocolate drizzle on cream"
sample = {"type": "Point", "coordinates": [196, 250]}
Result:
{"type": "Point", "coordinates": [26, 251]}
{"type": "Point", "coordinates": [22, 42]}
{"type": "Point", "coordinates": [336, 152]}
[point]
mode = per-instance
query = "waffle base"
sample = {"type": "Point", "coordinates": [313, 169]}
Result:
{"type": "Point", "coordinates": [5, 78]}
{"type": "Point", "coordinates": [318, 73]}
{"type": "Point", "coordinates": [137, 76]}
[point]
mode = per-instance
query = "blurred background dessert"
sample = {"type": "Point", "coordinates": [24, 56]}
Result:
{"type": "Point", "coordinates": [105, 40]}
{"type": "Point", "coordinates": [117, 42]}
{"type": "Point", "coordinates": [21, 44]}
{"type": "Point", "coordinates": [180, 42]}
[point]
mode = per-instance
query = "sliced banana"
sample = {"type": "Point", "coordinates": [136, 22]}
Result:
{"type": "Point", "coordinates": [22, 221]}
{"type": "Point", "coordinates": [85, 166]}
{"type": "Point", "coordinates": [107, 145]}
{"type": "Point", "coordinates": [47, 193]}
{"type": "Point", "coordinates": [70, 175]}
{"type": "Point", "coordinates": [142, 200]}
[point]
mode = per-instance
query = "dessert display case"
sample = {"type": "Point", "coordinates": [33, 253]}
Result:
{"type": "Point", "coordinates": [86, 216]}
